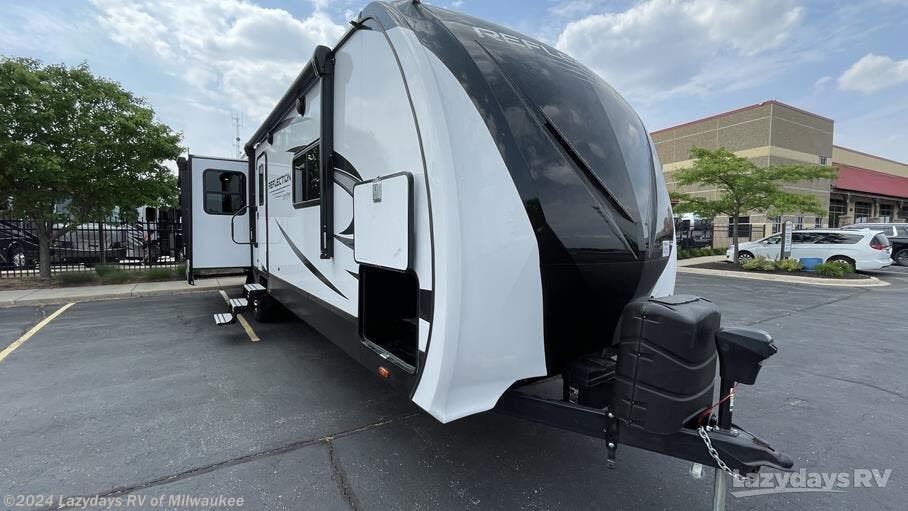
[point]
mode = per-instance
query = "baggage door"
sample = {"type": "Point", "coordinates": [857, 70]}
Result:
{"type": "Point", "coordinates": [219, 235]}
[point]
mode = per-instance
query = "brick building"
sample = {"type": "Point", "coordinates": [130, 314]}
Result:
{"type": "Point", "coordinates": [868, 187]}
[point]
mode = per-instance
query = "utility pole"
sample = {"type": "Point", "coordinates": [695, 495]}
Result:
{"type": "Point", "coordinates": [237, 124]}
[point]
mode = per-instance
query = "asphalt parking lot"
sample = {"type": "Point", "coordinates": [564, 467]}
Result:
{"type": "Point", "coordinates": [146, 397]}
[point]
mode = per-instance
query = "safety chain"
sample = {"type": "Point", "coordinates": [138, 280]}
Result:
{"type": "Point", "coordinates": [715, 455]}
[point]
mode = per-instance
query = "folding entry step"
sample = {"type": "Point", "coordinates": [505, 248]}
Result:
{"type": "Point", "coordinates": [238, 305]}
{"type": "Point", "coordinates": [251, 292]}
{"type": "Point", "coordinates": [224, 318]}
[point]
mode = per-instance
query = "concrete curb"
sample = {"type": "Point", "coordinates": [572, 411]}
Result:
{"type": "Point", "coordinates": [110, 292]}
{"type": "Point", "coordinates": [700, 260]}
{"type": "Point", "coordinates": [871, 282]}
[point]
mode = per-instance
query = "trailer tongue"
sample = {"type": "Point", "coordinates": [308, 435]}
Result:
{"type": "Point", "coordinates": [657, 385]}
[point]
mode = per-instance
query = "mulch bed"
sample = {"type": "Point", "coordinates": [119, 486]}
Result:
{"type": "Point", "coordinates": [726, 266]}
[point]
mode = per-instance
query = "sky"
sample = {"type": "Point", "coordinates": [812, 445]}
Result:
{"type": "Point", "coordinates": [199, 63]}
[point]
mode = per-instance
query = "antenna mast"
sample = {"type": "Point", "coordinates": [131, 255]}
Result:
{"type": "Point", "coordinates": [237, 124]}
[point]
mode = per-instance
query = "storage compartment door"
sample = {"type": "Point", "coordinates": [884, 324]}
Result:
{"type": "Point", "coordinates": [383, 222]}
{"type": "Point", "coordinates": [219, 223]}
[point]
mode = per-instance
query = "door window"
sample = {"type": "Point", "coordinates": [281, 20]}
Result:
{"type": "Point", "coordinates": [261, 172]}
{"type": "Point", "coordinates": [837, 208]}
{"type": "Point", "coordinates": [225, 191]}
{"type": "Point", "coordinates": [838, 238]}
{"type": "Point", "coordinates": [862, 211]}
{"type": "Point", "coordinates": [804, 237]}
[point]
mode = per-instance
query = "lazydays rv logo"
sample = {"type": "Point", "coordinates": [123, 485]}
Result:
{"type": "Point", "coordinates": [806, 482]}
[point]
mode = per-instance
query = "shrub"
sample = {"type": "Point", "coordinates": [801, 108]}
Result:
{"type": "Point", "coordinates": [117, 276]}
{"type": "Point", "coordinates": [790, 265]}
{"type": "Point", "coordinates": [72, 278]}
{"type": "Point", "coordinates": [154, 274]}
{"type": "Point", "coordinates": [179, 270]}
{"type": "Point", "coordinates": [830, 269]}
{"type": "Point", "coordinates": [759, 263]}
{"type": "Point", "coordinates": [105, 269]}
{"type": "Point", "coordinates": [844, 265]}
{"type": "Point", "coordinates": [684, 253]}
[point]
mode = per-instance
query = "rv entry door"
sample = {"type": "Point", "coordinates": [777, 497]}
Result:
{"type": "Point", "coordinates": [218, 235]}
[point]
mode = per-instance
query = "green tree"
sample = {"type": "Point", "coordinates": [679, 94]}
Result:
{"type": "Point", "coordinates": [69, 137]}
{"type": "Point", "coordinates": [743, 187]}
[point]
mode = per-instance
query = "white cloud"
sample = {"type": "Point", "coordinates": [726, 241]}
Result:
{"type": "Point", "coordinates": [821, 84]}
{"type": "Point", "coordinates": [662, 48]}
{"type": "Point", "coordinates": [235, 54]}
{"type": "Point", "coordinates": [874, 72]}
{"type": "Point", "coordinates": [26, 28]}
{"type": "Point", "coordinates": [572, 8]}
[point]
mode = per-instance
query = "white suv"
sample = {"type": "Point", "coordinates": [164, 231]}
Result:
{"type": "Point", "coordinates": [865, 249]}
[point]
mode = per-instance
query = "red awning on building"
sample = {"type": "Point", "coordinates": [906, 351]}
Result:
{"type": "Point", "coordinates": [856, 179]}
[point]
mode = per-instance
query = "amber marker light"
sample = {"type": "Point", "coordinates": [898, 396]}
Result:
{"type": "Point", "coordinates": [384, 372]}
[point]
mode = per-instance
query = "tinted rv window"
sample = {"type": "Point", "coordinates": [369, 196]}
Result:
{"type": "Point", "coordinates": [591, 116]}
{"type": "Point", "coordinates": [225, 191]}
{"type": "Point", "coordinates": [306, 174]}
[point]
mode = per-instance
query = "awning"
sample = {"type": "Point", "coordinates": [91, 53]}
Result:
{"type": "Point", "coordinates": [856, 179]}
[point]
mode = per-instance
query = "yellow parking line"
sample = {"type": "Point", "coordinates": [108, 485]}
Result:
{"type": "Point", "coordinates": [245, 324]}
{"type": "Point", "coordinates": [27, 335]}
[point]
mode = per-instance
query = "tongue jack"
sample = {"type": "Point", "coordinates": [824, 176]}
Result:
{"type": "Point", "coordinates": [741, 354]}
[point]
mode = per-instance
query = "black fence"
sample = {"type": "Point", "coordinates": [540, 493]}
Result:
{"type": "Point", "coordinates": [153, 241]}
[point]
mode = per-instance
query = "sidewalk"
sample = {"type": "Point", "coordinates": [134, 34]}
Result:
{"type": "Point", "coordinates": [84, 293]}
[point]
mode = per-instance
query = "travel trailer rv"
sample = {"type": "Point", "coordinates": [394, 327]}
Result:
{"type": "Point", "coordinates": [471, 213]}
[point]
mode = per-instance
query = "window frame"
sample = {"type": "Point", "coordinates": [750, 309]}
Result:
{"type": "Point", "coordinates": [296, 156]}
{"type": "Point", "coordinates": [891, 210]}
{"type": "Point", "coordinates": [242, 193]}
{"type": "Point", "coordinates": [863, 217]}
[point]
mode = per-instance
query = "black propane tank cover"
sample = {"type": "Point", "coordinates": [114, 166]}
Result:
{"type": "Point", "coordinates": [666, 362]}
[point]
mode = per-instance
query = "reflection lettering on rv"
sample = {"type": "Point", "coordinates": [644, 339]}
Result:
{"type": "Point", "coordinates": [279, 183]}
{"type": "Point", "coordinates": [485, 33]}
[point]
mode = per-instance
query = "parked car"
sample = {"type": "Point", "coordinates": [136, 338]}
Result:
{"type": "Point", "coordinates": [91, 243]}
{"type": "Point", "coordinates": [897, 234]}
{"type": "Point", "coordinates": [18, 245]}
{"type": "Point", "coordinates": [865, 249]}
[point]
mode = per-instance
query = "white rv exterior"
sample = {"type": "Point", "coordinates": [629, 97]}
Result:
{"type": "Point", "coordinates": [436, 196]}
{"type": "Point", "coordinates": [468, 212]}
